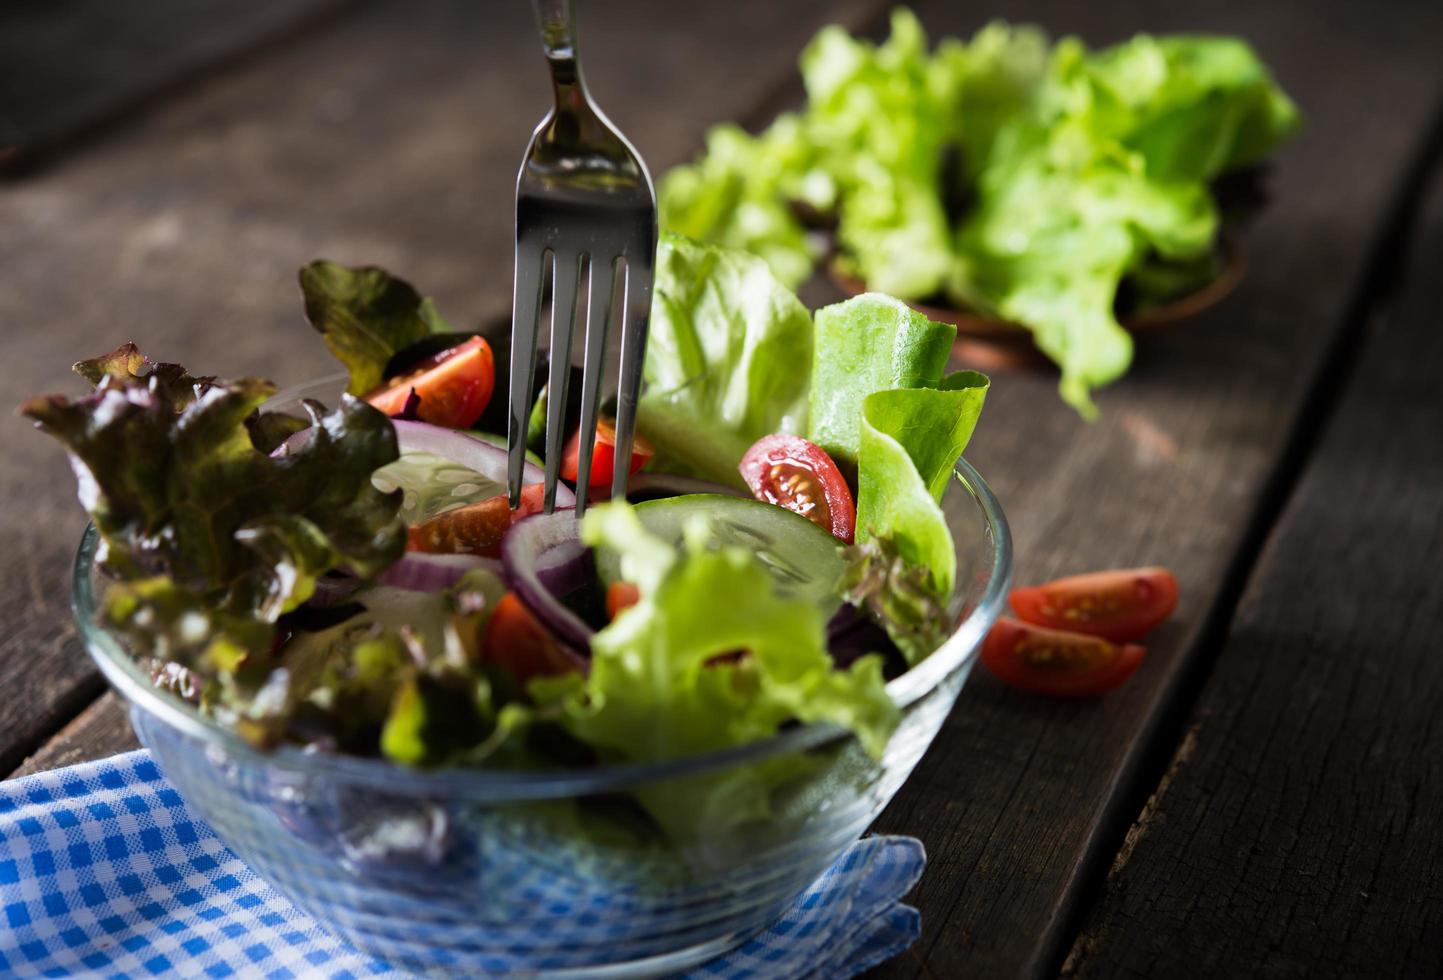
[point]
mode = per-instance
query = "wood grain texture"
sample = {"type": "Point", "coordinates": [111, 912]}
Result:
{"type": "Point", "coordinates": [392, 138]}
{"type": "Point", "coordinates": [190, 226]}
{"type": "Point", "coordinates": [100, 730]}
{"type": "Point", "coordinates": [1022, 802]}
{"type": "Point", "coordinates": [1298, 836]}
{"type": "Point", "coordinates": [68, 67]}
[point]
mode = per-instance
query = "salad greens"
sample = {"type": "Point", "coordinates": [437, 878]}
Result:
{"type": "Point", "coordinates": [911, 439]}
{"type": "Point", "coordinates": [897, 593]}
{"type": "Point", "coordinates": [737, 195]}
{"type": "Point", "coordinates": [667, 680]}
{"type": "Point", "coordinates": [733, 355]}
{"type": "Point", "coordinates": [173, 481]}
{"type": "Point", "coordinates": [366, 316]}
{"type": "Point", "coordinates": [802, 558]}
{"type": "Point", "coordinates": [878, 118]}
{"type": "Point", "coordinates": [870, 343]}
{"type": "Point", "coordinates": [1021, 180]}
{"type": "Point", "coordinates": [401, 674]}
{"type": "Point", "coordinates": [261, 559]}
{"type": "Point", "coordinates": [661, 685]}
{"type": "Point", "coordinates": [722, 358]}
{"type": "Point", "coordinates": [211, 540]}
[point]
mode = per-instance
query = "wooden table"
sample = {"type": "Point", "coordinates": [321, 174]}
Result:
{"type": "Point", "coordinates": [1262, 798]}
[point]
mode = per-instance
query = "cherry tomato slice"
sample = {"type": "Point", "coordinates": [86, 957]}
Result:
{"type": "Point", "coordinates": [793, 473]}
{"type": "Point", "coordinates": [1055, 662]}
{"type": "Point", "coordinates": [516, 640]}
{"type": "Point", "coordinates": [475, 529]}
{"type": "Point", "coordinates": [453, 387]}
{"type": "Point", "coordinates": [619, 596]}
{"type": "Point", "coordinates": [1120, 605]}
{"type": "Point", "coordinates": [603, 455]}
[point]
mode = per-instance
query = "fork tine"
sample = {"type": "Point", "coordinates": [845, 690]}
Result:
{"type": "Point", "coordinates": [637, 309]}
{"type": "Point", "coordinates": [598, 312]}
{"type": "Point", "coordinates": [563, 314]}
{"type": "Point", "coordinates": [526, 307]}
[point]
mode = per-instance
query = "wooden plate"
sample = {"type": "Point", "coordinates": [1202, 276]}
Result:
{"type": "Point", "coordinates": [991, 343]}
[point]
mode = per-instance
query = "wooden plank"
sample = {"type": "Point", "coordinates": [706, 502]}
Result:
{"type": "Point", "coordinates": [100, 730]}
{"type": "Point", "coordinates": [393, 138]}
{"type": "Point", "coordinates": [1022, 802]}
{"type": "Point", "coordinates": [68, 67]}
{"type": "Point", "coordinates": [1297, 835]}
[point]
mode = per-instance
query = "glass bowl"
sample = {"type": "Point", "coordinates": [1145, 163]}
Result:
{"type": "Point", "coordinates": [623, 870]}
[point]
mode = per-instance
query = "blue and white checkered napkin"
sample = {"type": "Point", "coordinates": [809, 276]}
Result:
{"type": "Point", "coordinates": [104, 871]}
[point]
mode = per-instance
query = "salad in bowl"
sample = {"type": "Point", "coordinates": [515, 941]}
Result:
{"type": "Point", "coordinates": [479, 738]}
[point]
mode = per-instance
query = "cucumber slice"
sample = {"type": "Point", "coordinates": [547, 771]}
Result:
{"type": "Point", "coordinates": [805, 560]}
{"type": "Point", "coordinates": [433, 484]}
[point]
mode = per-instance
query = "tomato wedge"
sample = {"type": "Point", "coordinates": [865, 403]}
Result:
{"type": "Point", "coordinates": [475, 529]}
{"type": "Point", "coordinates": [619, 596]}
{"type": "Point", "coordinates": [516, 640]}
{"type": "Point", "coordinates": [1055, 662]}
{"type": "Point", "coordinates": [1120, 605]}
{"type": "Point", "coordinates": [793, 473]}
{"type": "Point", "coordinates": [603, 455]}
{"type": "Point", "coordinates": [453, 387]}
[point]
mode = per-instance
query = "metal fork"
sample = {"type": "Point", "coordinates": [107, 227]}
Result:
{"type": "Point", "coordinates": [585, 210]}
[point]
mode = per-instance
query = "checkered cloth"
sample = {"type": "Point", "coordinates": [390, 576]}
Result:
{"type": "Point", "coordinates": [104, 871]}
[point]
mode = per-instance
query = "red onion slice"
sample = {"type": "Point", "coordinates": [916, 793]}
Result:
{"type": "Point", "coordinates": [471, 452]}
{"type": "Point", "coordinates": [332, 590]}
{"type": "Point", "coordinates": [544, 558]}
{"type": "Point", "coordinates": [423, 572]}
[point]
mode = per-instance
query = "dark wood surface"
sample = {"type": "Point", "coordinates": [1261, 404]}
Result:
{"type": "Point", "coordinates": [70, 67]}
{"type": "Point", "coordinates": [101, 729]}
{"type": "Point", "coordinates": [392, 136]}
{"type": "Point", "coordinates": [1296, 832]}
{"type": "Point", "coordinates": [1022, 803]}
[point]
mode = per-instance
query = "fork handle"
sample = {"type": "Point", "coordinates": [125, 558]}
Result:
{"type": "Point", "coordinates": [556, 19]}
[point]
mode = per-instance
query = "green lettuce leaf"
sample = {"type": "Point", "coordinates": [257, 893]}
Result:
{"type": "Point", "coordinates": [725, 361]}
{"type": "Point", "coordinates": [1055, 230]}
{"type": "Point", "coordinates": [866, 344]}
{"type": "Point", "coordinates": [880, 406]}
{"type": "Point", "coordinates": [664, 681]}
{"type": "Point", "coordinates": [910, 441]}
{"type": "Point", "coordinates": [739, 193]}
{"type": "Point", "coordinates": [1109, 174]}
{"type": "Point", "coordinates": [365, 315]}
{"type": "Point", "coordinates": [880, 117]}
{"type": "Point", "coordinates": [1023, 181]}
{"type": "Point", "coordinates": [1193, 106]}
{"type": "Point", "coordinates": [990, 81]}
{"type": "Point", "coordinates": [903, 597]}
